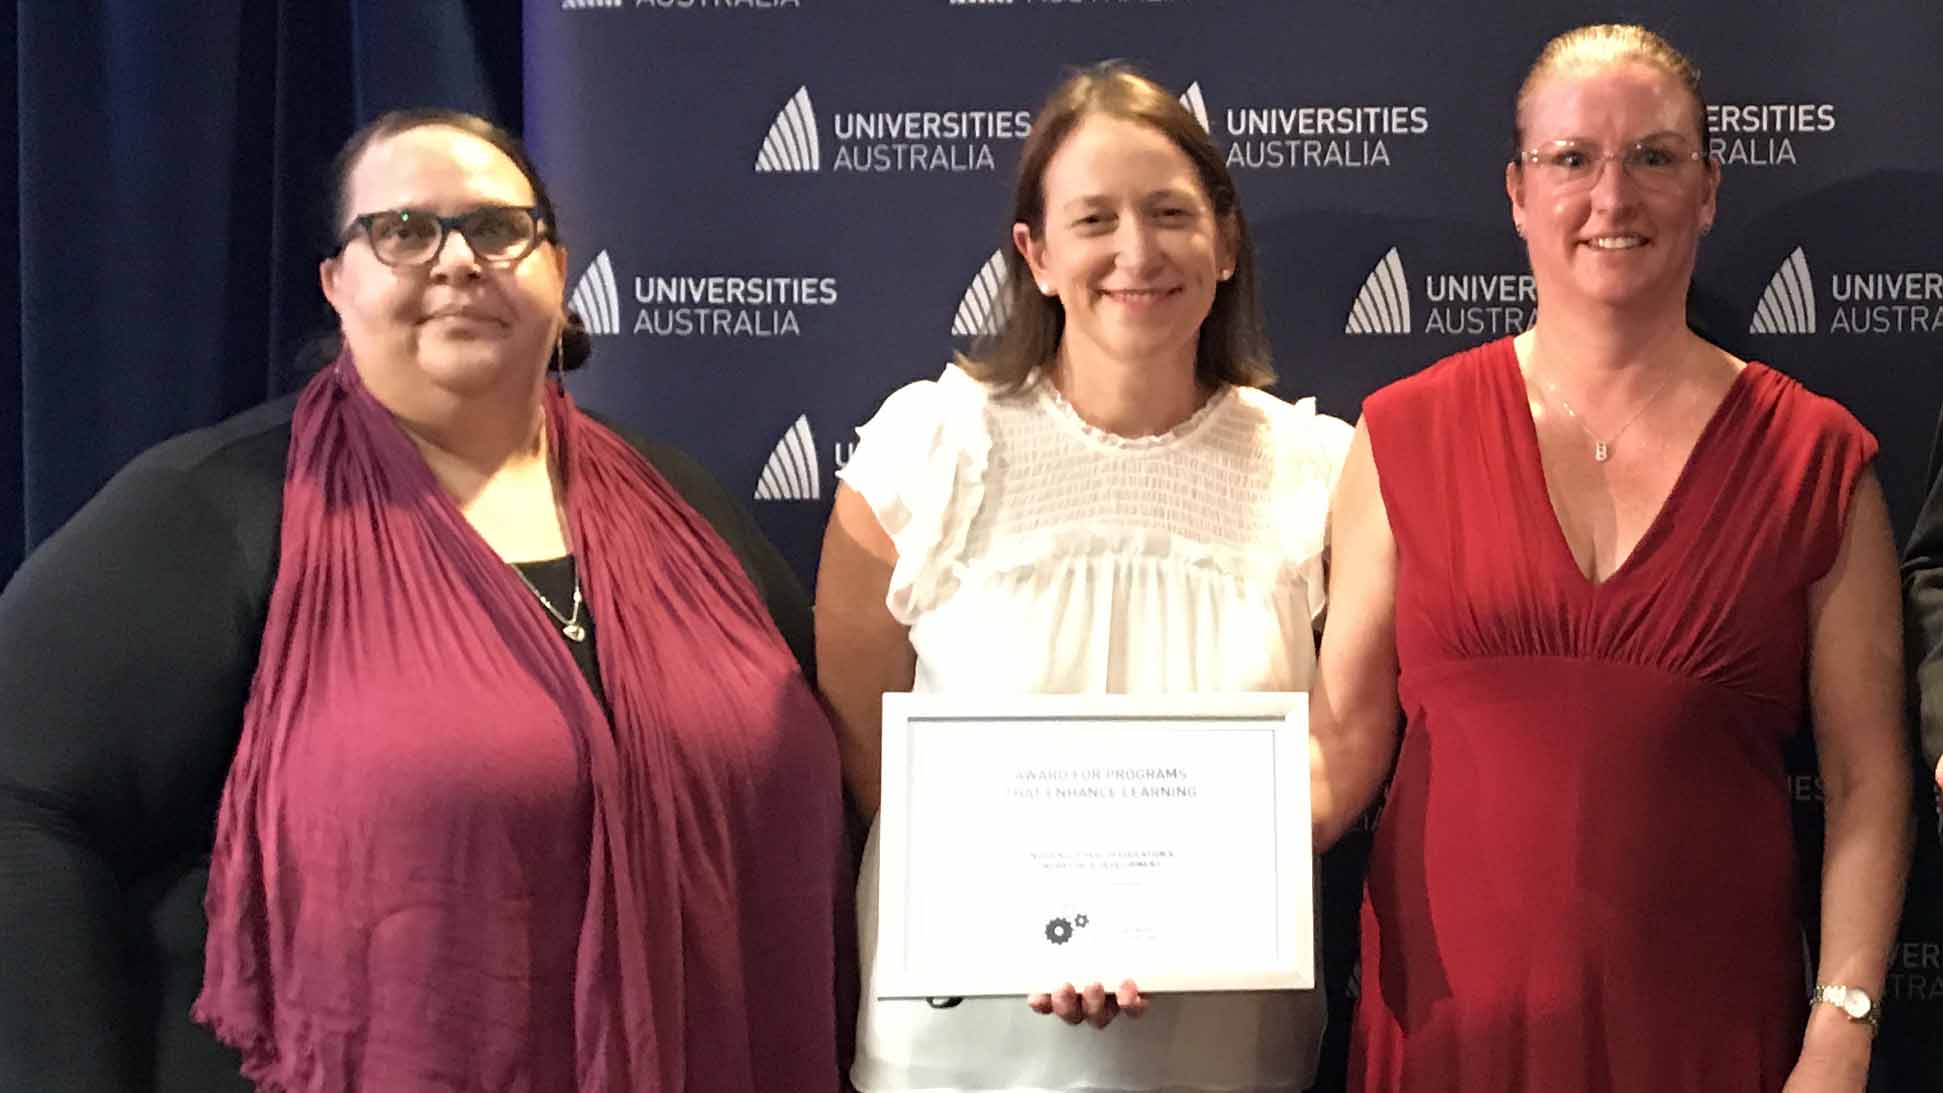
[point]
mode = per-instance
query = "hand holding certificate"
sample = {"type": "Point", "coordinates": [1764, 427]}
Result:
{"type": "Point", "coordinates": [1037, 840]}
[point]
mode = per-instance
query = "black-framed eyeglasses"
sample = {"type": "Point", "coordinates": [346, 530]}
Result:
{"type": "Point", "coordinates": [1574, 164]}
{"type": "Point", "coordinates": [498, 234]}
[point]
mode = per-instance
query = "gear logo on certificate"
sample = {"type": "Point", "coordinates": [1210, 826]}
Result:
{"type": "Point", "coordinates": [1059, 931]}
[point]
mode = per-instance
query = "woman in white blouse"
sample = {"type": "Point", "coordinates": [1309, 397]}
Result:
{"type": "Point", "coordinates": [1103, 501]}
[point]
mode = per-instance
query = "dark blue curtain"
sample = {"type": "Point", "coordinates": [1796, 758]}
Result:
{"type": "Point", "coordinates": [12, 443]}
{"type": "Point", "coordinates": [167, 175]}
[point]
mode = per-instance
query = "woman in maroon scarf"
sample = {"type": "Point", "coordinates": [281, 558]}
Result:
{"type": "Point", "coordinates": [513, 780]}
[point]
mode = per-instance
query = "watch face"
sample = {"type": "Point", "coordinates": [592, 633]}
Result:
{"type": "Point", "coordinates": [1856, 1004]}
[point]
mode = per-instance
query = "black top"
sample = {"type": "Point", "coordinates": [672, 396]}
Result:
{"type": "Point", "coordinates": [127, 643]}
{"type": "Point", "coordinates": [1923, 595]}
{"type": "Point", "coordinates": [557, 580]}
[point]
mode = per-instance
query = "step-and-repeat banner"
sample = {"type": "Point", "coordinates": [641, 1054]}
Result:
{"type": "Point", "coordinates": [781, 210]}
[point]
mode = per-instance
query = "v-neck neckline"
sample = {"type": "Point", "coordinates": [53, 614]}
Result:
{"type": "Point", "coordinates": [1656, 529]}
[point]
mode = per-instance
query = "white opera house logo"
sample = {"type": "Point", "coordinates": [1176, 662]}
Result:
{"type": "Point", "coordinates": [1196, 105]}
{"type": "Point", "coordinates": [981, 312]}
{"type": "Point", "coordinates": [1383, 304]}
{"type": "Point", "coordinates": [792, 142]}
{"type": "Point", "coordinates": [1788, 305]}
{"type": "Point", "coordinates": [595, 298]}
{"type": "Point", "coordinates": [792, 473]}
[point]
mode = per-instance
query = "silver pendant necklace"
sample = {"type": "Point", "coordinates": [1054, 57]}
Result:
{"type": "Point", "coordinates": [569, 624]}
{"type": "Point", "coordinates": [1602, 448]}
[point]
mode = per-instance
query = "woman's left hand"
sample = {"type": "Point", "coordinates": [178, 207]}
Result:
{"type": "Point", "coordinates": [1819, 1072]}
{"type": "Point", "coordinates": [1094, 1005]}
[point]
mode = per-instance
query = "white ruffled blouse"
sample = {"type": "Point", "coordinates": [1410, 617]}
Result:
{"type": "Point", "coordinates": [1036, 553]}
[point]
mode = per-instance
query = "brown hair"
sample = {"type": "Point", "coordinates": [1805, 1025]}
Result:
{"type": "Point", "coordinates": [1602, 44]}
{"type": "Point", "coordinates": [1233, 346]}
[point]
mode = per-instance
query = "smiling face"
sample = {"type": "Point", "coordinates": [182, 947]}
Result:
{"type": "Point", "coordinates": [1615, 240]}
{"type": "Point", "coordinates": [457, 327]}
{"type": "Point", "coordinates": [1131, 245]}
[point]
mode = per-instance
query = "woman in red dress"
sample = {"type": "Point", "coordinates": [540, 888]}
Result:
{"type": "Point", "coordinates": [1606, 569]}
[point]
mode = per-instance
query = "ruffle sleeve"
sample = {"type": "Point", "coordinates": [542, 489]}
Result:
{"type": "Point", "coordinates": [1310, 450]}
{"type": "Point", "coordinates": [920, 465]}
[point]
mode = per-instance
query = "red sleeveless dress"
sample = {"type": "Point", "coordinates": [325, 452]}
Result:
{"type": "Point", "coordinates": [1584, 875]}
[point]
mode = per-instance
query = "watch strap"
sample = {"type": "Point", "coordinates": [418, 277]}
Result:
{"type": "Point", "coordinates": [1840, 995]}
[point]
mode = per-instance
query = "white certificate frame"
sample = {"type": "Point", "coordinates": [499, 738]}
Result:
{"type": "Point", "coordinates": [1261, 738]}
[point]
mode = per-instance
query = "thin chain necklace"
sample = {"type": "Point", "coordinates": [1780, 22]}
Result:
{"type": "Point", "coordinates": [569, 624]}
{"type": "Point", "coordinates": [1602, 448]}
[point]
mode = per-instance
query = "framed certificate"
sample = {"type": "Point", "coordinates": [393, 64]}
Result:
{"type": "Point", "coordinates": [1029, 841]}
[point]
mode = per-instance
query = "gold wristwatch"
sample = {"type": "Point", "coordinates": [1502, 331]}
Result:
{"type": "Point", "coordinates": [1852, 1001]}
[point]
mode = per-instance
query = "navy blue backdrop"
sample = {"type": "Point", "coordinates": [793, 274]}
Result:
{"type": "Point", "coordinates": [784, 210]}
{"type": "Point", "coordinates": [781, 209]}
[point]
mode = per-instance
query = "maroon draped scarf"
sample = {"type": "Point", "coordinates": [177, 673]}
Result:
{"type": "Point", "coordinates": [439, 866]}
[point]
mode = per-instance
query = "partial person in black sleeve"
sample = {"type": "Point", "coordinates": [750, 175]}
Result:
{"type": "Point", "coordinates": [1923, 599]}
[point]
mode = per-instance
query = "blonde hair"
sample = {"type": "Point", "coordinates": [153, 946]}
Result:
{"type": "Point", "coordinates": [1598, 46]}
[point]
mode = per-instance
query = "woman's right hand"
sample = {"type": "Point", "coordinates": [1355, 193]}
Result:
{"type": "Point", "coordinates": [1094, 1005]}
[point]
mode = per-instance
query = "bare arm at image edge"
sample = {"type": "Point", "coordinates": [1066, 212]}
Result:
{"type": "Point", "coordinates": [1353, 703]}
{"type": "Point", "coordinates": [1855, 692]}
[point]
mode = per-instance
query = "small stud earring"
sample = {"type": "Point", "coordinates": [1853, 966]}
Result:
{"type": "Point", "coordinates": [1045, 289]}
